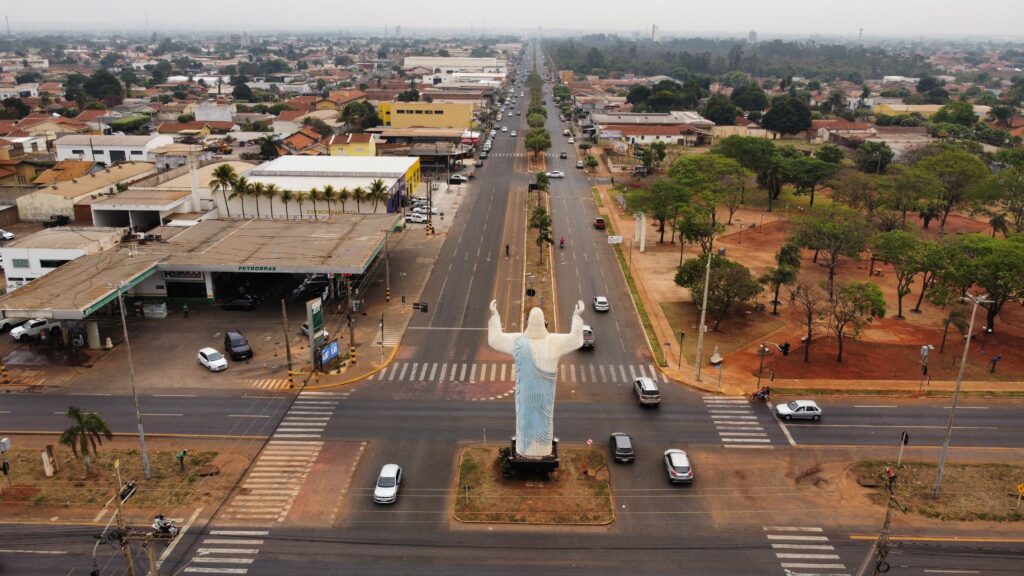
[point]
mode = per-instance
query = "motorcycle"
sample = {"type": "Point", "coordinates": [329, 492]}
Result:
{"type": "Point", "coordinates": [561, 244]}
{"type": "Point", "coordinates": [164, 528]}
{"type": "Point", "coordinates": [762, 394]}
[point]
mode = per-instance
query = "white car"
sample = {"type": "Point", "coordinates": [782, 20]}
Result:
{"type": "Point", "coordinates": [799, 409]}
{"type": "Point", "coordinates": [388, 483]}
{"type": "Point", "coordinates": [213, 361]}
{"type": "Point", "coordinates": [572, 140]}
{"type": "Point", "coordinates": [512, 133]}
{"type": "Point", "coordinates": [416, 219]}
{"type": "Point", "coordinates": [5, 235]}
{"type": "Point", "coordinates": [504, 128]}
{"type": "Point", "coordinates": [556, 174]}
{"type": "Point", "coordinates": [32, 328]}
{"type": "Point", "coordinates": [601, 304]}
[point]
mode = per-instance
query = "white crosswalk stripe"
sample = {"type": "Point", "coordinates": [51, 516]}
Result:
{"type": "Point", "coordinates": [736, 422]}
{"type": "Point", "coordinates": [804, 551]}
{"type": "Point", "coordinates": [505, 372]}
{"type": "Point", "coordinates": [226, 552]}
{"type": "Point", "coordinates": [270, 383]}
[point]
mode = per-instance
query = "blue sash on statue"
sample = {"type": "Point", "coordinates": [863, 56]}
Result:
{"type": "Point", "coordinates": [535, 402]}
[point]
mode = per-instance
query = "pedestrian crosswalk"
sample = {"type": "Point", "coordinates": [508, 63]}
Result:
{"type": "Point", "coordinates": [275, 478]}
{"type": "Point", "coordinates": [226, 552]}
{"type": "Point", "coordinates": [517, 155]}
{"type": "Point", "coordinates": [736, 422]}
{"type": "Point", "coordinates": [805, 551]}
{"type": "Point", "coordinates": [270, 383]}
{"type": "Point", "coordinates": [505, 372]}
{"type": "Point", "coordinates": [392, 336]}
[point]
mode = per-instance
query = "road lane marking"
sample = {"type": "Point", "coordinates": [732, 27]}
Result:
{"type": "Point", "coordinates": [793, 529]}
{"type": "Point", "coordinates": [967, 407]}
{"type": "Point", "coordinates": [248, 416]}
{"type": "Point", "coordinates": [871, 406]}
{"type": "Point", "coordinates": [172, 395]}
{"type": "Point", "coordinates": [168, 415]}
{"type": "Point", "coordinates": [922, 426]}
{"type": "Point", "coordinates": [18, 551]}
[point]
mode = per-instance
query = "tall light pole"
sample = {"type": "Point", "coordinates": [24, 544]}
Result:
{"type": "Point", "coordinates": [387, 267]}
{"type": "Point", "coordinates": [701, 328]}
{"type": "Point", "coordinates": [131, 373]}
{"type": "Point", "coordinates": [983, 299]}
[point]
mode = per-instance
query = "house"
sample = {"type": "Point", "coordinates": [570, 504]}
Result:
{"type": "Point", "coordinates": [215, 111]}
{"type": "Point", "coordinates": [823, 131]}
{"type": "Point", "coordinates": [65, 170]}
{"type": "Point", "coordinates": [18, 170]}
{"type": "Point", "coordinates": [681, 134]}
{"type": "Point", "coordinates": [338, 99]}
{"type": "Point", "coordinates": [305, 141]}
{"type": "Point", "coordinates": [197, 127]}
{"type": "Point", "coordinates": [110, 149]}
{"type": "Point", "coordinates": [49, 127]}
{"type": "Point", "coordinates": [352, 145]}
{"type": "Point", "coordinates": [426, 114]}
{"type": "Point", "coordinates": [61, 197]}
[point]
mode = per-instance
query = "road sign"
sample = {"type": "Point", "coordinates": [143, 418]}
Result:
{"type": "Point", "coordinates": [1020, 488]}
{"type": "Point", "coordinates": [531, 292]}
{"type": "Point", "coordinates": [590, 442]}
{"type": "Point", "coordinates": [906, 438]}
{"type": "Point", "coordinates": [615, 239]}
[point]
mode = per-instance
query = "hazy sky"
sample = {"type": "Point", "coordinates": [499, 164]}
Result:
{"type": "Point", "coordinates": [787, 17]}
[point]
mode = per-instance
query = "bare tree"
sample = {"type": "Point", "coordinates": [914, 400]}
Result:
{"type": "Point", "coordinates": [811, 301]}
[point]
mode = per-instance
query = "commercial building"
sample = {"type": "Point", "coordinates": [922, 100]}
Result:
{"type": "Point", "coordinates": [28, 258]}
{"type": "Point", "coordinates": [352, 145]}
{"type": "Point", "coordinates": [110, 149]}
{"type": "Point", "coordinates": [65, 197]}
{"type": "Point", "coordinates": [449, 65]}
{"type": "Point", "coordinates": [426, 114]}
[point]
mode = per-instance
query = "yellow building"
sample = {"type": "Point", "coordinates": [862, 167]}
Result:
{"type": "Point", "coordinates": [426, 114]}
{"type": "Point", "coordinates": [352, 145]}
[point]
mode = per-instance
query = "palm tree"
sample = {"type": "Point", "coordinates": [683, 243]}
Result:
{"type": "Point", "coordinates": [957, 317]}
{"type": "Point", "coordinates": [286, 197]}
{"type": "Point", "coordinates": [378, 192]}
{"type": "Point", "coordinates": [300, 197]}
{"type": "Point", "coordinates": [344, 195]}
{"type": "Point", "coordinates": [239, 190]}
{"type": "Point", "coordinates": [999, 223]}
{"type": "Point", "coordinates": [85, 435]}
{"type": "Point", "coordinates": [540, 221]}
{"type": "Point", "coordinates": [256, 191]}
{"type": "Point", "coordinates": [329, 195]}
{"type": "Point", "coordinates": [271, 191]}
{"type": "Point", "coordinates": [223, 177]}
{"type": "Point", "coordinates": [315, 195]}
{"type": "Point", "coordinates": [358, 194]}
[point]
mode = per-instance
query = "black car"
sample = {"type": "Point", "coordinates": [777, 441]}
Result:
{"type": "Point", "coordinates": [56, 220]}
{"type": "Point", "coordinates": [563, 155]}
{"type": "Point", "coordinates": [241, 303]}
{"type": "Point", "coordinates": [621, 446]}
{"type": "Point", "coordinates": [236, 345]}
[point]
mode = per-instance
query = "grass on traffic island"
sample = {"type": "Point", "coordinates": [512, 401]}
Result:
{"type": "Point", "coordinates": [578, 493]}
{"type": "Point", "coordinates": [71, 487]}
{"type": "Point", "coordinates": [970, 492]}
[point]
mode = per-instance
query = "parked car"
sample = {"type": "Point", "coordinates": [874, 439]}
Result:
{"type": "Point", "coordinates": [601, 304]}
{"type": "Point", "coordinates": [479, 162]}
{"type": "Point", "coordinates": [416, 219]}
{"type": "Point", "coordinates": [32, 329]}
{"type": "Point", "coordinates": [236, 345]}
{"type": "Point", "coordinates": [677, 464]}
{"type": "Point", "coordinates": [388, 483]}
{"type": "Point", "coordinates": [556, 174]}
{"type": "Point", "coordinates": [588, 338]}
{"type": "Point", "coordinates": [457, 179]}
{"type": "Point", "coordinates": [212, 360]}
{"type": "Point", "coordinates": [797, 409]}
{"type": "Point", "coordinates": [646, 390]}
{"type": "Point", "coordinates": [563, 155]}
{"type": "Point", "coordinates": [10, 323]}
{"type": "Point", "coordinates": [483, 155]}
{"type": "Point", "coordinates": [56, 220]}
{"type": "Point", "coordinates": [246, 303]}
{"type": "Point", "coordinates": [621, 446]}
{"type": "Point", "coordinates": [5, 235]}
{"type": "Point", "coordinates": [599, 223]}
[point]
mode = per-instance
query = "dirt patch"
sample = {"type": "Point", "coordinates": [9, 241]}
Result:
{"type": "Point", "coordinates": [579, 493]}
{"type": "Point", "coordinates": [970, 492]}
{"type": "Point", "coordinates": [744, 328]}
{"type": "Point", "coordinates": [538, 271]}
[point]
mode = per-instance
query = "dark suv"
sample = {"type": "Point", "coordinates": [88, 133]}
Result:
{"type": "Point", "coordinates": [621, 446]}
{"type": "Point", "coordinates": [236, 345]}
{"type": "Point", "coordinates": [56, 220]}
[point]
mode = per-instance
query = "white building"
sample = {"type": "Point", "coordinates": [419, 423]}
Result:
{"type": "Point", "coordinates": [214, 112]}
{"type": "Point", "coordinates": [450, 65]}
{"type": "Point", "coordinates": [33, 256]}
{"type": "Point", "coordinates": [30, 90]}
{"type": "Point", "coordinates": [110, 149]}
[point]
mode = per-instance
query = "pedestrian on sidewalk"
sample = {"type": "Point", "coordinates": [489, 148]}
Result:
{"type": "Point", "coordinates": [184, 310]}
{"type": "Point", "coordinates": [180, 457]}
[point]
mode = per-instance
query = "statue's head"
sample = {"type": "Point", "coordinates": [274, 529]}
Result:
{"type": "Point", "coordinates": [535, 328]}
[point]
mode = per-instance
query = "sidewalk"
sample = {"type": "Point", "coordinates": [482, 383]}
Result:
{"type": "Point", "coordinates": [653, 273]}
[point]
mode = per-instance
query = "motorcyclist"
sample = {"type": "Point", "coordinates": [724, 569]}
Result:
{"type": "Point", "coordinates": [161, 525]}
{"type": "Point", "coordinates": [506, 250]}
{"type": "Point", "coordinates": [561, 243]}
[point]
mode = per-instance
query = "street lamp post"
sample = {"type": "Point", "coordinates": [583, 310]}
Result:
{"type": "Point", "coordinates": [682, 340]}
{"type": "Point", "coordinates": [702, 328]}
{"type": "Point", "coordinates": [975, 300]}
{"type": "Point", "coordinates": [131, 376]}
{"type": "Point", "coordinates": [387, 267]}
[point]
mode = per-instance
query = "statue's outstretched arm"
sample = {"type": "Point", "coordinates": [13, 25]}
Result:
{"type": "Point", "coordinates": [565, 343]}
{"type": "Point", "coordinates": [496, 338]}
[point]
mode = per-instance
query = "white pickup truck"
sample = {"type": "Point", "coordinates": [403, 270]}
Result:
{"type": "Point", "coordinates": [32, 328]}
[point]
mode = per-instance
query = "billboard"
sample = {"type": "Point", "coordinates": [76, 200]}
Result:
{"type": "Point", "coordinates": [315, 321]}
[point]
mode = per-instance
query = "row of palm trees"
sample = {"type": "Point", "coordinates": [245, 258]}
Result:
{"type": "Point", "coordinates": [231, 186]}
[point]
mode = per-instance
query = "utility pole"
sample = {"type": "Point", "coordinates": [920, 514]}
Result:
{"type": "Point", "coordinates": [702, 328]}
{"type": "Point", "coordinates": [135, 394]}
{"type": "Point", "coordinates": [287, 344]}
{"type": "Point", "coordinates": [387, 267]}
{"type": "Point", "coordinates": [880, 548]}
{"type": "Point", "coordinates": [126, 546]}
{"type": "Point", "coordinates": [983, 299]}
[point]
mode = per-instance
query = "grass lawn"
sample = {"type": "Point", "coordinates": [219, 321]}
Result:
{"type": "Point", "coordinates": [573, 496]}
{"type": "Point", "coordinates": [970, 492]}
{"type": "Point", "coordinates": [735, 332]}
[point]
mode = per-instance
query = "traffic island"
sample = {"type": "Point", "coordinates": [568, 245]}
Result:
{"type": "Point", "coordinates": [578, 493]}
{"type": "Point", "coordinates": [970, 492]}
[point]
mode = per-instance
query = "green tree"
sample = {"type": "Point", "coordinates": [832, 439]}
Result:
{"type": "Point", "coordinates": [961, 174]}
{"type": "Point", "coordinates": [242, 92]}
{"type": "Point", "coordinates": [720, 110]}
{"type": "Point", "coordinates": [315, 195]}
{"type": "Point", "coordinates": [758, 155]}
{"type": "Point", "coordinates": [788, 115]}
{"type": "Point", "coordinates": [104, 86]}
{"type": "Point", "coordinates": [318, 125]}
{"type": "Point", "coordinates": [223, 180]}
{"type": "Point", "coordinates": [859, 190]}
{"type": "Point", "coordinates": [905, 252]}
{"type": "Point", "coordinates": [956, 112]}
{"type": "Point", "coordinates": [730, 284]}
{"type": "Point", "coordinates": [810, 302]}
{"type": "Point", "coordinates": [256, 191]}
{"type": "Point", "coordinates": [540, 221]}
{"type": "Point", "coordinates": [1003, 195]}
{"type": "Point", "coordinates": [85, 435]}
{"type": "Point", "coordinates": [270, 192]}
{"type": "Point", "coordinates": [873, 157]}
{"type": "Point", "coordinates": [268, 147]}
{"type": "Point", "coordinates": [933, 261]}
{"type": "Point", "coordinates": [330, 195]}
{"type": "Point", "coordinates": [344, 195]}
{"type": "Point", "coordinates": [994, 264]}
{"type": "Point", "coordinates": [749, 97]}
{"type": "Point", "coordinates": [787, 263]}
{"type": "Point", "coordinates": [378, 192]}
{"type": "Point", "coordinates": [14, 109]}
{"type": "Point", "coordinates": [535, 120]}
{"type": "Point", "coordinates": [660, 200]}
{"type": "Point", "coordinates": [854, 305]}
{"type": "Point", "coordinates": [957, 317]}
{"type": "Point", "coordinates": [538, 141]}
{"type": "Point", "coordinates": [829, 153]}
{"type": "Point", "coordinates": [807, 173]}
{"type": "Point", "coordinates": [359, 195]}
{"type": "Point", "coordinates": [911, 186]}
{"type": "Point", "coordinates": [834, 232]}
{"type": "Point", "coordinates": [286, 197]}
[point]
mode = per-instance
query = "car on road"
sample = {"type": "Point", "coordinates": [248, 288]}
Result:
{"type": "Point", "coordinates": [556, 174]}
{"type": "Point", "coordinates": [305, 330]}
{"type": "Point", "coordinates": [563, 155]}
{"type": "Point", "coordinates": [512, 133]}
{"type": "Point", "coordinates": [646, 390]}
{"type": "Point", "coordinates": [579, 163]}
{"type": "Point", "coordinates": [601, 304]}
{"type": "Point", "coordinates": [588, 338]}
{"type": "Point", "coordinates": [32, 329]}
{"type": "Point", "coordinates": [621, 446]}
{"type": "Point", "coordinates": [56, 220]}
{"type": "Point", "coordinates": [388, 483]}
{"type": "Point", "coordinates": [799, 410]}
{"type": "Point", "coordinates": [599, 223]}
{"type": "Point", "coordinates": [483, 155]}
{"type": "Point", "coordinates": [236, 345]}
{"type": "Point", "coordinates": [677, 465]}
{"type": "Point", "coordinates": [571, 140]}
{"type": "Point", "coordinates": [246, 303]}
{"type": "Point", "coordinates": [504, 128]}
{"type": "Point", "coordinates": [212, 360]}
{"type": "Point", "coordinates": [458, 179]}
{"type": "Point", "coordinates": [5, 235]}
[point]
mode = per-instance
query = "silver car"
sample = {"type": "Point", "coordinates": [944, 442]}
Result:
{"type": "Point", "coordinates": [388, 483]}
{"type": "Point", "coordinates": [677, 465]}
{"type": "Point", "coordinates": [799, 409]}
